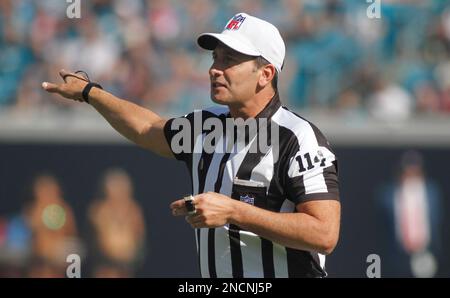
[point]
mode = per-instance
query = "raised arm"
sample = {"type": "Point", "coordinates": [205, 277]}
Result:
{"type": "Point", "coordinates": [139, 125]}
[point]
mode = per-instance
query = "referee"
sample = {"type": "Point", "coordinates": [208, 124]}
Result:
{"type": "Point", "coordinates": [257, 212]}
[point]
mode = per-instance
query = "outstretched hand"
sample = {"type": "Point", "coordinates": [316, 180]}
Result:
{"type": "Point", "coordinates": [72, 87]}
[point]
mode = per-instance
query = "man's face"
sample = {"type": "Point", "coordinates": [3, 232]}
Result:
{"type": "Point", "coordinates": [234, 76]}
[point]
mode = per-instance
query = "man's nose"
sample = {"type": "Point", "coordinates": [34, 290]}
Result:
{"type": "Point", "coordinates": [214, 71]}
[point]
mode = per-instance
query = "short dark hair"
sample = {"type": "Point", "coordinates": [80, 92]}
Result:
{"type": "Point", "coordinates": [260, 62]}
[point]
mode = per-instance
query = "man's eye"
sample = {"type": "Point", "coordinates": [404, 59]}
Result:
{"type": "Point", "coordinates": [229, 58]}
{"type": "Point", "coordinates": [224, 59]}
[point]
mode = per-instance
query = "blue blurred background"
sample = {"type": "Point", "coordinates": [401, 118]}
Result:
{"type": "Point", "coordinates": [379, 88]}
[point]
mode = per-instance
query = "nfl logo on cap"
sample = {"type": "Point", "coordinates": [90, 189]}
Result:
{"type": "Point", "coordinates": [235, 22]}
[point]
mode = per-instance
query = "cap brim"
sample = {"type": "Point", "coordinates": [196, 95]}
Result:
{"type": "Point", "coordinates": [209, 41]}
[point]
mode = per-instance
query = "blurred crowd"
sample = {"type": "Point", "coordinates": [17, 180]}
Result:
{"type": "Point", "coordinates": [338, 59]}
{"type": "Point", "coordinates": [36, 241]}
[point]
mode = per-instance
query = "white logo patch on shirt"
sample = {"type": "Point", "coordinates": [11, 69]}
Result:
{"type": "Point", "coordinates": [247, 199]}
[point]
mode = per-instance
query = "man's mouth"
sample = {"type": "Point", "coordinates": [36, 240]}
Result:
{"type": "Point", "coordinates": [217, 85]}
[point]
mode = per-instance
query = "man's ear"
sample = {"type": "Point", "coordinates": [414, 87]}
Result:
{"type": "Point", "coordinates": [267, 74]}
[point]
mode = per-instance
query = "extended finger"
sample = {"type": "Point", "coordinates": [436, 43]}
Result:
{"type": "Point", "coordinates": [64, 73]}
{"type": "Point", "coordinates": [50, 87]}
{"type": "Point", "coordinates": [196, 223]}
{"type": "Point", "coordinates": [195, 219]}
{"type": "Point", "coordinates": [179, 211]}
{"type": "Point", "coordinates": [177, 204]}
{"type": "Point", "coordinates": [67, 76]}
{"type": "Point", "coordinates": [178, 208]}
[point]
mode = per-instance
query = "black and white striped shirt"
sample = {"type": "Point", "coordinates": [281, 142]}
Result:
{"type": "Point", "coordinates": [304, 169]}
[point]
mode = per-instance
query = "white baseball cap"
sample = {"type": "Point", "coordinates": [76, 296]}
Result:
{"type": "Point", "coordinates": [250, 36]}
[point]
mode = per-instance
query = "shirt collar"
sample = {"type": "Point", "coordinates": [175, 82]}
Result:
{"type": "Point", "coordinates": [272, 106]}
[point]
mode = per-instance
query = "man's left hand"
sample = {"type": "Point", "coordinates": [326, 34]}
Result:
{"type": "Point", "coordinates": [212, 210]}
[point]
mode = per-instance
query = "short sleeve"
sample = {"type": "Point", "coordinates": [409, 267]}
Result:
{"type": "Point", "coordinates": [311, 172]}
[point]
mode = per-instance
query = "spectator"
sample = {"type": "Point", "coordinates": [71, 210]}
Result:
{"type": "Point", "coordinates": [53, 228]}
{"type": "Point", "coordinates": [119, 227]}
{"type": "Point", "coordinates": [411, 207]}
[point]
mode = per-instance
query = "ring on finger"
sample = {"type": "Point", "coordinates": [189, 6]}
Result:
{"type": "Point", "coordinates": [189, 204]}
